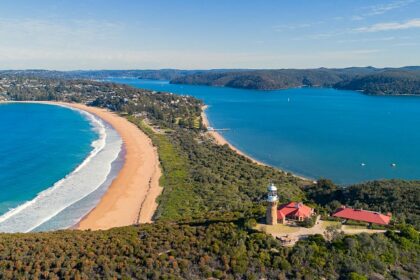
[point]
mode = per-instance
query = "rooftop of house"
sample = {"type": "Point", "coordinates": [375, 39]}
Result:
{"type": "Point", "coordinates": [362, 215]}
{"type": "Point", "coordinates": [296, 209]}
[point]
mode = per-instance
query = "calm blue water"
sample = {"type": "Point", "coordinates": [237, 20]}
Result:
{"type": "Point", "coordinates": [39, 145]}
{"type": "Point", "coordinates": [315, 132]}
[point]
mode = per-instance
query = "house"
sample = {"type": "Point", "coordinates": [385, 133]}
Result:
{"type": "Point", "coordinates": [294, 211]}
{"type": "Point", "coordinates": [362, 215]}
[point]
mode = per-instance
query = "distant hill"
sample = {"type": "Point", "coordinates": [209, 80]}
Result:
{"type": "Point", "coordinates": [273, 79]}
{"type": "Point", "coordinates": [371, 80]}
{"type": "Point", "coordinates": [161, 74]}
{"type": "Point", "coordinates": [395, 82]}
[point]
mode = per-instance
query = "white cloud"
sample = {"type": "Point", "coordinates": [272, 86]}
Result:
{"type": "Point", "coordinates": [387, 26]}
{"type": "Point", "coordinates": [281, 27]}
{"type": "Point", "coordinates": [407, 44]}
{"type": "Point", "coordinates": [357, 17]}
{"type": "Point", "coordinates": [384, 8]}
{"type": "Point", "coordinates": [359, 40]}
{"type": "Point", "coordinates": [381, 9]}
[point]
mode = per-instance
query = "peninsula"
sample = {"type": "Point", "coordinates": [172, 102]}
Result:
{"type": "Point", "coordinates": [213, 197]}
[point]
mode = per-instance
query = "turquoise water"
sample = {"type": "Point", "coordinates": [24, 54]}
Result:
{"type": "Point", "coordinates": [56, 165]}
{"type": "Point", "coordinates": [315, 132]}
{"type": "Point", "coordinates": [39, 145]}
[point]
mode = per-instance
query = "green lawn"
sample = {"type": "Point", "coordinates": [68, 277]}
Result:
{"type": "Point", "coordinates": [276, 229]}
{"type": "Point", "coordinates": [353, 227]}
{"type": "Point", "coordinates": [326, 224]}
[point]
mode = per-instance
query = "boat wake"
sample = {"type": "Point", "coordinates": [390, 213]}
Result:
{"type": "Point", "coordinates": [81, 182]}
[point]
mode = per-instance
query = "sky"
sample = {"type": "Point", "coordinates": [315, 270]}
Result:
{"type": "Point", "coordinates": [208, 34]}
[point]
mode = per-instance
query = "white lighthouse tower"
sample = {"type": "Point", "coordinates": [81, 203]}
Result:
{"type": "Point", "coordinates": [272, 200]}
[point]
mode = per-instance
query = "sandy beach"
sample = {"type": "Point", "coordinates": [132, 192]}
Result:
{"type": "Point", "coordinates": [131, 198]}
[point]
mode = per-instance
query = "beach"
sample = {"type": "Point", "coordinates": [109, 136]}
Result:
{"type": "Point", "coordinates": [131, 198]}
{"type": "Point", "coordinates": [132, 192]}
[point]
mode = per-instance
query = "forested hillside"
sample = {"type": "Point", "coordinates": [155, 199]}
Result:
{"type": "Point", "coordinates": [270, 79]}
{"type": "Point", "coordinates": [385, 83]}
{"type": "Point", "coordinates": [367, 79]}
{"type": "Point", "coordinates": [201, 251]}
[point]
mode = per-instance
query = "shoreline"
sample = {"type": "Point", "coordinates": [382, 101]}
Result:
{"type": "Point", "coordinates": [131, 196]}
{"type": "Point", "coordinates": [220, 140]}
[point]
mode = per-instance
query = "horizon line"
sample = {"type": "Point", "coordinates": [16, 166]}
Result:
{"type": "Point", "coordinates": [202, 69]}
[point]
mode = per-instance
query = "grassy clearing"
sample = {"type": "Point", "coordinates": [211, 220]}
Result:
{"type": "Point", "coordinates": [345, 227]}
{"type": "Point", "coordinates": [276, 229]}
{"type": "Point", "coordinates": [326, 224]}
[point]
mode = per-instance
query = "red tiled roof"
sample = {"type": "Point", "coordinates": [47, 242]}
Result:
{"type": "Point", "coordinates": [280, 214]}
{"type": "Point", "coordinates": [294, 209]}
{"type": "Point", "coordinates": [362, 215]}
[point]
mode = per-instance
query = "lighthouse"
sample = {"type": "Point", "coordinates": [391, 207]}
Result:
{"type": "Point", "coordinates": [272, 200]}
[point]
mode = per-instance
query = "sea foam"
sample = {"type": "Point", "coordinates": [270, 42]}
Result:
{"type": "Point", "coordinates": [91, 174]}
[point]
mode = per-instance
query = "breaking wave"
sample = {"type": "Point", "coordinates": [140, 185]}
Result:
{"type": "Point", "coordinates": [91, 174]}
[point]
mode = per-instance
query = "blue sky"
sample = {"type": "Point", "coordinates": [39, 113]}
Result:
{"type": "Point", "coordinates": [193, 34]}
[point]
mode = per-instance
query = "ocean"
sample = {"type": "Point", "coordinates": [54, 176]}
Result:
{"type": "Point", "coordinates": [55, 165]}
{"type": "Point", "coordinates": [345, 136]}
